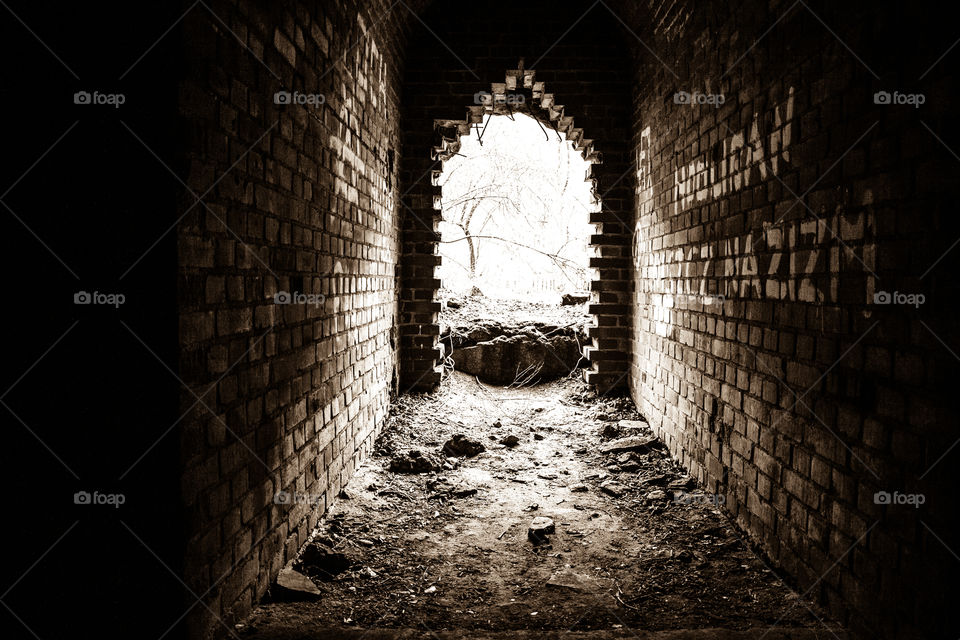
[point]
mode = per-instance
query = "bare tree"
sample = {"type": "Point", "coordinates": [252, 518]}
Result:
{"type": "Point", "coordinates": [517, 195]}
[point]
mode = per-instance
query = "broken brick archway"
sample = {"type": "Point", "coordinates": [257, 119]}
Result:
{"type": "Point", "coordinates": [521, 92]}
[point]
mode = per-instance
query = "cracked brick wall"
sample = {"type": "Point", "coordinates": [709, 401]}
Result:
{"type": "Point", "coordinates": [286, 281]}
{"type": "Point", "coordinates": [765, 225]}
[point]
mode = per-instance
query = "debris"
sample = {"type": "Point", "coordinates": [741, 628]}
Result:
{"type": "Point", "coordinates": [502, 359]}
{"type": "Point", "coordinates": [610, 431]}
{"type": "Point", "coordinates": [612, 488]}
{"type": "Point", "coordinates": [567, 579]}
{"type": "Point", "coordinates": [413, 462]}
{"type": "Point", "coordinates": [682, 484]}
{"type": "Point", "coordinates": [539, 529]}
{"type": "Point", "coordinates": [631, 443]}
{"type": "Point", "coordinates": [292, 585]}
{"type": "Point", "coordinates": [344, 495]}
{"type": "Point", "coordinates": [656, 495]}
{"type": "Point", "coordinates": [322, 562]}
{"type": "Point", "coordinates": [461, 445]}
{"type": "Point", "coordinates": [633, 425]}
{"type": "Point", "coordinates": [510, 441]}
{"type": "Point", "coordinates": [570, 299]}
{"type": "Point", "coordinates": [430, 589]}
{"type": "Point", "coordinates": [367, 572]}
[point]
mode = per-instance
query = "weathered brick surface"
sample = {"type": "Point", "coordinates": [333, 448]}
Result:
{"type": "Point", "coordinates": [764, 227]}
{"type": "Point", "coordinates": [296, 198]}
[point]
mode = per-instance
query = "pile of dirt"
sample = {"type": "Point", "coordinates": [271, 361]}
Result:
{"type": "Point", "coordinates": [476, 309]}
{"type": "Point", "coordinates": [501, 353]}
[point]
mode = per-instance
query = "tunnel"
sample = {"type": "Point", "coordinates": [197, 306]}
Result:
{"type": "Point", "coordinates": [231, 351]}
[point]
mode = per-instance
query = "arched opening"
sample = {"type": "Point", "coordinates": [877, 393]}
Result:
{"type": "Point", "coordinates": [514, 251]}
{"type": "Point", "coordinates": [515, 215]}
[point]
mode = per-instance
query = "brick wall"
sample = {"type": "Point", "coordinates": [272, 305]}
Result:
{"type": "Point", "coordinates": [287, 278]}
{"type": "Point", "coordinates": [577, 83]}
{"type": "Point", "coordinates": [759, 355]}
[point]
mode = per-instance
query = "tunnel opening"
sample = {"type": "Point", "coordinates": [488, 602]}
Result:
{"type": "Point", "coordinates": [514, 236]}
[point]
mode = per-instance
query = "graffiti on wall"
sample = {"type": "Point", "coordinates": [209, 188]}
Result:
{"type": "Point", "coordinates": [731, 164]}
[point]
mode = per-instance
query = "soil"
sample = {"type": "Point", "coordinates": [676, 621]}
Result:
{"type": "Point", "coordinates": [473, 309]}
{"type": "Point", "coordinates": [449, 549]}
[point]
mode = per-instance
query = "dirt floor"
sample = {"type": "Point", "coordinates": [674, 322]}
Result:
{"type": "Point", "coordinates": [449, 549]}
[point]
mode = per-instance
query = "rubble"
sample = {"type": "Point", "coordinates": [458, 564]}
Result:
{"type": "Point", "coordinates": [631, 443]}
{"type": "Point", "coordinates": [292, 585]}
{"type": "Point", "coordinates": [569, 299]}
{"type": "Point", "coordinates": [618, 538]}
{"type": "Point", "coordinates": [540, 527]}
{"type": "Point", "coordinates": [462, 446]}
{"type": "Point", "coordinates": [510, 441]}
{"type": "Point", "coordinates": [413, 462]}
{"type": "Point", "coordinates": [612, 488]}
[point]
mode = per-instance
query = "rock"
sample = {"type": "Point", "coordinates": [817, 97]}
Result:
{"type": "Point", "coordinates": [631, 443]}
{"type": "Point", "coordinates": [570, 299]}
{"type": "Point", "coordinates": [497, 424]}
{"type": "Point", "coordinates": [505, 358]}
{"type": "Point", "coordinates": [612, 488]}
{"type": "Point", "coordinates": [656, 480]}
{"type": "Point", "coordinates": [367, 572]}
{"type": "Point", "coordinates": [624, 458]}
{"type": "Point", "coordinates": [633, 425]}
{"type": "Point", "coordinates": [657, 495]}
{"type": "Point", "coordinates": [413, 462]}
{"type": "Point", "coordinates": [323, 562]}
{"type": "Point", "coordinates": [539, 529]}
{"type": "Point", "coordinates": [292, 585]}
{"type": "Point", "coordinates": [567, 579]}
{"type": "Point", "coordinates": [344, 495]}
{"type": "Point", "coordinates": [602, 417]}
{"type": "Point", "coordinates": [537, 436]}
{"type": "Point", "coordinates": [510, 441]}
{"type": "Point", "coordinates": [682, 484]}
{"type": "Point", "coordinates": [609, 431]}
{"type": "Point", "coordinates": [579, 488]}
{"type": "Point", "coordinates": [461, 445]}
{"type": "Point", "coordinates": [454, 304]}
